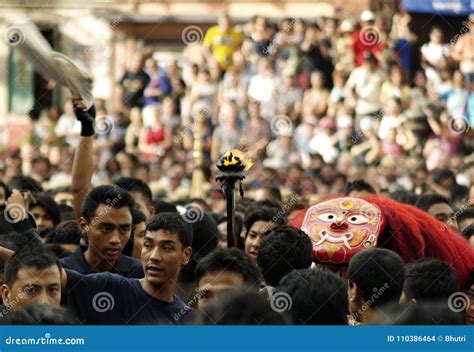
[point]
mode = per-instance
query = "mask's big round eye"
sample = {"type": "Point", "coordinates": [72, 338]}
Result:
{"type": "Point", "coordinates": [357, 219]}
{"type": "Point", "coordinates": [327, 217]}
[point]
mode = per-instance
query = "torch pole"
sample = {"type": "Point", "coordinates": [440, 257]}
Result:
{"type": "Point", "coordinates": [229, 188]}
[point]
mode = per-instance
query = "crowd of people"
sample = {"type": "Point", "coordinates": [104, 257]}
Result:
{"type": "Point", "coordinates": [115, 215]}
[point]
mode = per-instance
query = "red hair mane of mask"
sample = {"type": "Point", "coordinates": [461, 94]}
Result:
{"type": "Point", "coordinates": [415, 235]}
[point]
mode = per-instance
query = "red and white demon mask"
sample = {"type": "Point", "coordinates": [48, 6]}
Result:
{"type": "Point", "coordinates": [341, 227]}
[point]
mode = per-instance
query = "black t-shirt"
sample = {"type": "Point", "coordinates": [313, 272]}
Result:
{"type": "Point", "coordinates": [111, 299]}
{"type": "Point", "coordinates": [125, 266]}
{"type": "Point", "coordinates": [133, 84]}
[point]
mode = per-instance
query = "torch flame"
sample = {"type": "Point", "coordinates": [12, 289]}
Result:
{"type": "Point", "coordinates": [235, 157]}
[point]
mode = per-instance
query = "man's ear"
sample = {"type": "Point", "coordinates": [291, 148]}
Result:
{"type": "Point", "coordinates": [354, 293]}
{"type": "Point", "coordinates": [152, 211]}
{"type": "Point", "coordinates": [413, 301]}
{"type": "Point", "coordinates": [5, 294]}
{"type": "Point", "coordinates": [187, 255]}
{"type": "Point", "coordinates": [84, 226]}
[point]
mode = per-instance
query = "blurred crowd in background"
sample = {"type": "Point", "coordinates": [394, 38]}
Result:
{"type": "Point", "coordinates": [315, 106]}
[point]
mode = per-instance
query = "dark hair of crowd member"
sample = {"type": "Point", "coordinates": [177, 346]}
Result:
{"type": "Point", "coordinates": [137, 217]}
{"type": "Point", "coordinates": [377, 268]}
{"type": "Point", "coordinates": [110, 195]}
{"type": "Point", "coordinates": [282, 250]}
{"type": "Point", "coordinates": [317, 297]}
{"type": "Point", "coordinates": [260, 211]}
{"type": "Point", "coordinates": [134, 184]}
{"type": "Point", "coordinates": [403, 196]}
{"type": "Point", "coordinates": [39, 314]}
{"type": "Point", "coordinates": [230, 259]}
{"type": "Point", "coordinates": [172, 223]}
{"type": "Point", "coordinates": [429, 279]}
{"type": "Point", "coordinates": [49, 206]}
{"type": "Point", "coordinates": [425, 202]}
{"type": "Point", "coordinates": [359, 185]}
{"type": "Point", "coordinates": [424, 313]}
{"type": "Point", "coordinates": [32, 258]}
{"type": "Point", "coordinates": [242, 306]}
{"type": "Point", "coordinates": [164, 207]}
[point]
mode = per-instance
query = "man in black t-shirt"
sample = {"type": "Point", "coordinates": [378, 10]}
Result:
{"type": "Point", "coordinates": [106, 298]}
{"type": "Point", "coordinates": [106, 221]}
{"type": "Point", "coordinates": [133, 83]}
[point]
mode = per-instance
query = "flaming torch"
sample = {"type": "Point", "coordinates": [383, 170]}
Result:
{"type": "Point", "coordinates": [231, 169]}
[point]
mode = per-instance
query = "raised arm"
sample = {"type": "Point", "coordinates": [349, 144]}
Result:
{"type": "Point", "coordinates": [82, 167]}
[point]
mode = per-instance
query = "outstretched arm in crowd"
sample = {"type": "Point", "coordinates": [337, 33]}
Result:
{"type": "Point", "coordinates": [82, 167]}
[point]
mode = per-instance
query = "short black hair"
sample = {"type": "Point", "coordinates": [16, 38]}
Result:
{"type": "Point", "coordinates": [430, 279]}
{"type": "Point", "coordinates": [282, 250]}
{"type": "Point", "coordinates": [231, 259]}
{"type": "Point", "coordinates": [6, 189]}
{"type": "Point", "coordinates": [39, 314]}
{"type": "Point", "coordinates": [463, 214]}
{"type": "Point", "coordinates": [317, 297]}
{"type": "Point", "coordinates": [274, 191]}
{"type": "Point", "coordinates": [137, 216]}
{"type": "Point", "coordinates": [134, 184]}
{"type": "Point", "coordinates": [241, 306]}
{"type": "Point", "coordinates": [66, 212]}
{"type": "Point", "coordinates": [164, 207]}
{"type": "Point", "coordinates": [377, 269]}
{"type": "Point", "coordinates": [403, 196]}
{"type": "Point", "coordinates": [66, 232]}
{"type": "Point", "coordinates": [25, 183]}
{"type": "Point", "coordinates": [111, 195]}
{"type": "Point", "coordinates": [424, 313]}
{"type": "Point", "coordinates": [425, 202]}
{"type": "Point", "coordinates": [359, 185]}
{"type": "Point", "coordinates": [38, 259]}
{"type": "Point", "coordinates": [49, 206]}
{"type": "Point", "coordinates": [468, 231]}
{"type": "Point", "coordinates": [174, 223]}
{"type": "Point", "coordinates": [264, 213]}
{"type": "Point", "coordinates": [18, 241]}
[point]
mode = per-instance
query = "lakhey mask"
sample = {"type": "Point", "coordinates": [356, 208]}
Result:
{"type": "Point", "coordinates": [339, 228]}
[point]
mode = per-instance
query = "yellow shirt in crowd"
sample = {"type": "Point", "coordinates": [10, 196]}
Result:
{"type": "Point", "coordinates": [223, 44]}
